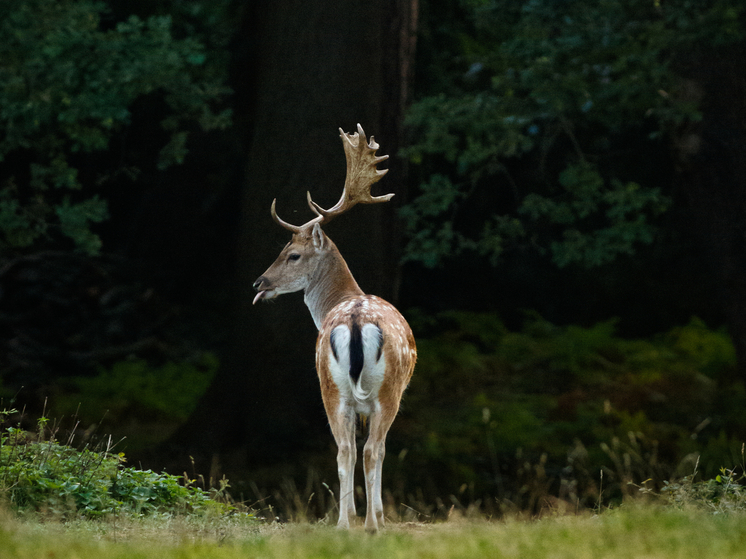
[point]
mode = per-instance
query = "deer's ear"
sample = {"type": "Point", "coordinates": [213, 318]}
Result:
{"type": "Point", "coordinates": [319, 239]}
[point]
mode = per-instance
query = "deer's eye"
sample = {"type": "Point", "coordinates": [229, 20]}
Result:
{"type": "Point", "coordinates": [293, 257]}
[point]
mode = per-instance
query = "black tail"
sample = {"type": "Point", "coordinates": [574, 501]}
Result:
{"type": "Point", "coordinates": [357, 358]}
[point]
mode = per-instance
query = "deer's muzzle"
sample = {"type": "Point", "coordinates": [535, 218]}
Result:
{"type": "Point", "coordinates": [264, 291]}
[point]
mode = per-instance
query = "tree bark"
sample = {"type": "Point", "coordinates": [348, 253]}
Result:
{"type": "Point", "coordinates": [713, 175]}
{"type": "Point", "coordinates": [313, 67]}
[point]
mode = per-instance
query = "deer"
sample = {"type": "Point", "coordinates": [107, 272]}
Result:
{"type": "Point", "coordinates": [365, 349]}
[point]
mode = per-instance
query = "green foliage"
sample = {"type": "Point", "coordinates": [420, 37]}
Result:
{"type": "Point", "coordinates": [167, 392]}
{"type": "Point", "coordinates": [625, 208]}
{"type": "Point", "coordinates": [44, 475]}
{"type": "Point", "coordinates": [145, 491]}
{"type": "Point", "coordinates": [555, 115]}
{"type": "Point", "coordinates": [511, 414]}
{"type": "Point", "coordinates": [725, 493]}
{"type": "Point", "coordinates": [67, 86]}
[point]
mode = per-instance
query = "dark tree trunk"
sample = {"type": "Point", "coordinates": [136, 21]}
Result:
{"type": "Point", "coordinates": [713, 175]}
{"type": "Point", "coordinates": [308, 68]}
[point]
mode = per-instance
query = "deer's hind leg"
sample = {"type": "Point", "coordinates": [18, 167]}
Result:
{"type": "Point", "coordinates": [342, 423]}
{"type": "Point", "coordinates": [373, 455]}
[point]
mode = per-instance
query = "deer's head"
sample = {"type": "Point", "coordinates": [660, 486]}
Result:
{"type": "Point", "coordinates": [307, 256]}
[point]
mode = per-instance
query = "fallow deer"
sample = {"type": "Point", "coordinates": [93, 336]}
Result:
{"type": "Point", "coordinates": [365, 350]}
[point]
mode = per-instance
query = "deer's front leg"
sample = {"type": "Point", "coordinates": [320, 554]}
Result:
{"type": "Point", "coordinates": [343, 429]}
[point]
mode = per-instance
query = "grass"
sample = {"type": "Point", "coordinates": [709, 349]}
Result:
{"type": "Point", "coordinates": [637, 531]}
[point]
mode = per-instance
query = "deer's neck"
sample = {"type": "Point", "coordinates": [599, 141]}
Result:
{"type": "Point", "coordinates": [331, 285]}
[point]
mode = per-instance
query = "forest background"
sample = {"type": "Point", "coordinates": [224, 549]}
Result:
{"type": "Point", "coordinates": [567, 239]}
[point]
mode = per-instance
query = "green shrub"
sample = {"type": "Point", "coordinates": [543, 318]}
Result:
{"type": "Point", "coordinates": [725, 493]}
{"type": "Point", "coordinates": [46, 476]}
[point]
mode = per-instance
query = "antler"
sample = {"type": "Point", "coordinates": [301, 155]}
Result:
{"type": "Point", "coordinates": [295, 228]}
{"type": "Point", "coordinates": [361, 175]}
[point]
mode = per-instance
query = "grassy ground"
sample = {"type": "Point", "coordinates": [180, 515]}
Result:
{"type": "Point", "coordinates": [631, 532]}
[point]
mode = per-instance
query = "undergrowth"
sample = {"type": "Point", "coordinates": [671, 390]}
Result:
{"type": "Point", "coordinates": [38, 473]}
{"type": "Point", "coordinates": [723, 494]}
{"type": "Point", "coordinates": [167, 391]}
{"type": "Point", "coordinates": [545, 419]}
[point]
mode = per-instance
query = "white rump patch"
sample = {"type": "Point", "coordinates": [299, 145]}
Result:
{"type": "Point", "coordinates": [340, 342]}
{"type": "Point", "coordinates": [362, 395]}
{"type": "Point", "coordinates": [372, 342]}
